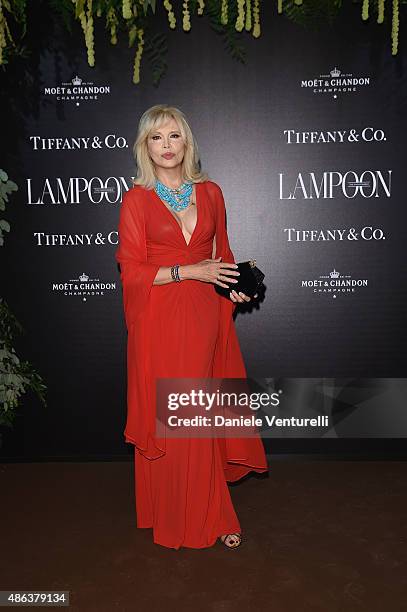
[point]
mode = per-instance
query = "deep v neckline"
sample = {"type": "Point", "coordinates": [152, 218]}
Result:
{"type": "Point", "coordinates": [175, 220]}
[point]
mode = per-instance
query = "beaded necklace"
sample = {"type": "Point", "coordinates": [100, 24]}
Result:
{"type": "Point", "coordinates": [177, 198]}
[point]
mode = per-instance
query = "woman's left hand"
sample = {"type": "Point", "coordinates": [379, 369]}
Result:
{"type": "Point", "coordinates": [240, 297]}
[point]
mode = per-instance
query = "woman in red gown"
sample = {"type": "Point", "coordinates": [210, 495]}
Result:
{"type": "Point", "coordinates": [179, 329]}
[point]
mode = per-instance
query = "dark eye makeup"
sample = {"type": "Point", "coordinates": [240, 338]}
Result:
{"type": "Point", "coordinates": [158, 136]}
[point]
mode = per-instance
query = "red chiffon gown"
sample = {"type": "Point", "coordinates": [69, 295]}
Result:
{"type": "Point", "coordinates": [179, 330]}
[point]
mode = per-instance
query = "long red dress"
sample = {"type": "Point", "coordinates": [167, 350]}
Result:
{"type": "Point", "coordinates": [179, 330]}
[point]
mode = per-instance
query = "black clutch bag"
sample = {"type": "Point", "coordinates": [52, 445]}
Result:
{"type": "Point", "coordinates": [249, 280]}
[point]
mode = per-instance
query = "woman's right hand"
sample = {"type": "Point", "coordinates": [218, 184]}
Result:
{"type": "Point", "coordinates": [213, 271]}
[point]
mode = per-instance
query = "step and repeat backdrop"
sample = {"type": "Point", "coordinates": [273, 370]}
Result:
{"type": "Point", "coordinates": [306, 140]}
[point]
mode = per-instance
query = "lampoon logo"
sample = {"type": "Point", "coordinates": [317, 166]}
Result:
{"type": "Point", "coordinates": [335, 82]}
{"type": "Point", "coordinates": [83, 287]}
{"type": "Point", "coordinates": [77, 91]}
{"type": "Point", "coordinates": [334, 283]}
{"type": "Point", "coordinates": [330, 184]}
{"type": "Point", "coordinates": [75, 190]}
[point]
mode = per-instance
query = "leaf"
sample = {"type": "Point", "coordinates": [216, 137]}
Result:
{"type": "Point", "coordinates": [312, 15]}
{"type": "Point", "coordinates": [155, 50]}
{"type": "Point", "coordinates": [79, 8]}
{"type": "Point", "coordinates": [148, 3]}
{"type": "Point", "coordinates": [228, 32]}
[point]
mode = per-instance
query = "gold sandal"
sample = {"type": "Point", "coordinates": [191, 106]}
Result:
{"type": "Point", "coordinates": [234, 543]}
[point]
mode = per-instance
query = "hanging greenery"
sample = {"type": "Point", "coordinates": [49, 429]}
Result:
{"type": "Point", "coordinates": [16, 376]}
{"type": "Point", "coordinates": [134, 16]}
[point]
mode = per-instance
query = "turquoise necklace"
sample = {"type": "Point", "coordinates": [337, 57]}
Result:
{"type": "Point", "coordinates": [177, 198]}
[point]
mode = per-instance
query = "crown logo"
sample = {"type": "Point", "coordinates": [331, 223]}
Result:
{"type": "Point", "coordinates": [76, 80]}
{"type": "Point", "coordinates": [335, 72]}
{"type": "Point", "coordinates": [334, 274]}
{"type": "Point", "coordinates": [83, 277]}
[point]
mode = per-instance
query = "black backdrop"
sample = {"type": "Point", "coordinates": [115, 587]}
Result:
{"type": "Point", "coordinates": [313, 176]}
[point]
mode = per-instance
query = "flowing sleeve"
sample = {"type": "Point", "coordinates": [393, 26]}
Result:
{"type": "Point", "coordinates": [222, 241]}
{"type": "Point", "coordinates": [137, 275]}
{"type": "Point", "coordinates": [239, 455]}
{"type": "Point", "coordinates": [228, 360]}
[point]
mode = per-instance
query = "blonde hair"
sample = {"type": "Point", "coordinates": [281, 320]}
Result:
{"type": "Point", "coordinates": [152, 118]}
